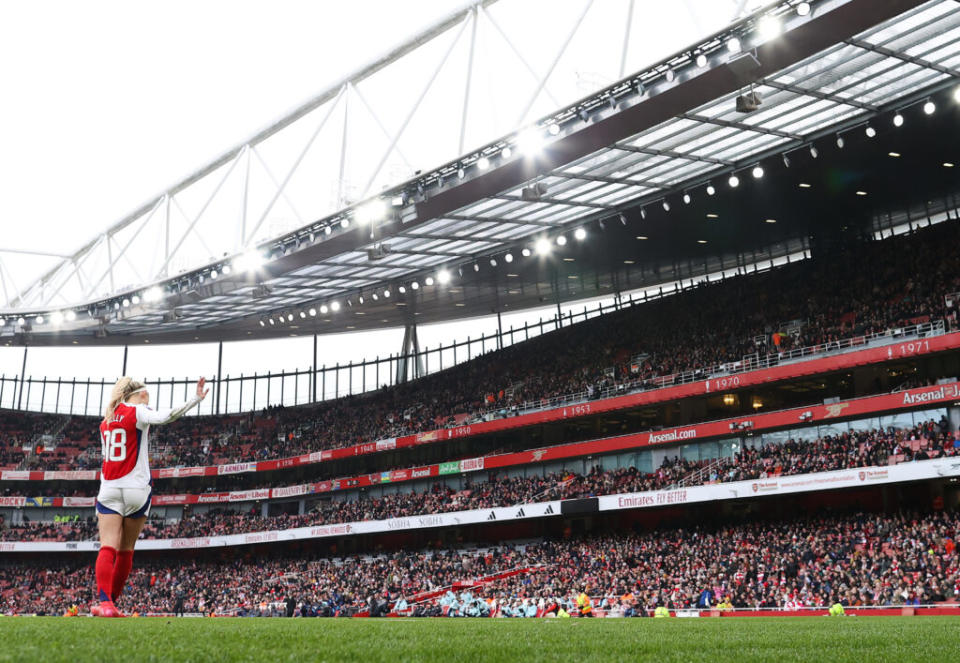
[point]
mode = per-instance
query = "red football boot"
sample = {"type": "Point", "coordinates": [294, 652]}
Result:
{"type": "Point", "coordinates": [106, 609]}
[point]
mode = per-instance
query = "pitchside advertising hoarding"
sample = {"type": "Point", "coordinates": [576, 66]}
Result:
{"type": "Point", "coordinates": [497, 514]}
{"type": "Point", "coordinates": [914, 471]}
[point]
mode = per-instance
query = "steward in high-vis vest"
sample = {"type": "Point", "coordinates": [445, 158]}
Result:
{"type": "Point", "coordinates": [585, 605]}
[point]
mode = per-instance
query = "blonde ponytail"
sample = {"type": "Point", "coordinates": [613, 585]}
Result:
{"type": "Point", "coordinates": [121, 390]}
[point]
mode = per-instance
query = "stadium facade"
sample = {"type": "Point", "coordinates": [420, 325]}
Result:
{"type": "Point", "coordinates": [752, 176]}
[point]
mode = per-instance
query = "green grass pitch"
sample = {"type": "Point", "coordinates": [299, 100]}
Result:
{"type": "Point", "coordinates": [734, 640]}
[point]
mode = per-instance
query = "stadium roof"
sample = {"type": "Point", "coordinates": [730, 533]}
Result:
{"type": "Point", "coordinates": [641, 143]}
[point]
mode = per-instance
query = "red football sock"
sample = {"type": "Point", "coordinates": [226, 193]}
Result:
{"type": "Point", "coordinates": [104, 571]}
{"type": "Point", "coordinates": [121, 571]}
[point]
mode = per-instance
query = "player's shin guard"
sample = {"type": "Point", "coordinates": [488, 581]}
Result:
{"type": "Point", "coordinates": [121, 570]}
{"type": "Point", "coordinates": [106, 560]}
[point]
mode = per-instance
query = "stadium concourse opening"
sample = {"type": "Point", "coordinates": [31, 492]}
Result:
{"type": "Point", "coordinates": [762, 419]}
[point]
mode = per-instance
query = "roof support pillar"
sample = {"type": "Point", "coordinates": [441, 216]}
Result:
{"type": "Point", "coordinates": [410, 365]}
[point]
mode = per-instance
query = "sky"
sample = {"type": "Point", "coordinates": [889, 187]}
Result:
{"type": "Point", "coordinates": [106, 103]}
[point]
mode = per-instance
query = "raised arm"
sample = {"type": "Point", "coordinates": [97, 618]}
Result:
{"type": "Point", "coordinates": [147, 417]}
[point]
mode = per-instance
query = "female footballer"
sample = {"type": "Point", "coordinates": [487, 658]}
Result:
{"type": "Point", "coordinates": [125, 485]}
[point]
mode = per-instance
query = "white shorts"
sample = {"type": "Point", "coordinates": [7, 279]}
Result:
{"type": "Point", "coordinates": [126, 502]}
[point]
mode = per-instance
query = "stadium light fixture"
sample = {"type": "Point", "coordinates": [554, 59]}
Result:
{"type": "Point", "coordinates": [334, 306]}
{"type": "Point", "coordinates": [840, 142]}
{"type": "Point", "coordinates": [483, 163]}
{"type": "Point", "coordinates": [461, 173]}
{"type": "Point", "coordinates": [786, 160]}
{"type": "Point", "coordinates": [262, 323]}
{"type": "Point", "coordinates": [214, 273]}
{"type": "Point", "coordinates": [561, 240]}
{"type": "Point", "coordinates": [757, 172]}
{"type": "Point", "coordinates": [360, 299]}
{"type": "Point", "coordinates": [272, 323]}
{"type": "Point", "coordinates": [525, 252]}
{"type": "Point", "coordinates": [402, 289]}
{"type": "Point", "coordinates": [493, 262]}
{"type": "Point", "coordinates": [324, 308]}
{"type": "Point", "coordinates": [929, 107]}
{"type": "Point", "coordinates": [327, 230]}
{"type": "Point", "coordinates": [870, 131]}
{"type": "Point", "coordinates": [956, 94]}
{"type": "Point", "coordinates": [769, 27]}
{"type": "Point", "coordinates": [428, 280]}
{"type": "Point", "coordinates": [414, 286]}
{"type": "Point", "coordinates": [56, 318]}
{"type": "Point", "coordinates": [898, 120]}
{"type": "Point", "coordinates": [530, 142]}
{"type": "Point", "coordinates": [135, 300]}
{"type": "Point", "coordinates": [554, 129]}
{"type": "Point", "coordinates": [303, 315]}
{"type": "Point", "coordinates": [710, 190]}
{"type": "Point", "coordinates": [734, 181]}
{"type": "Point", "coordinates": [948, 164]}
{"type": "Point", "coordinates": [374, 296]}
{"type": "Point", "coordinates": [666, 205]}
{"type": "Point", "coordinates": [580, 234]}
{"type": "Point", "coordinates": [153, 294]}
{"type": "Point", "coordinates": [21, 321]}
{"type": "Point", "coordinates": [506, 152]}
{"type": "Point", "coordinates": [371, 212]}
{"type": "Point", "coordinates": [476, 267]}
{"type": "Point", "coordinates": [814, 152]}
{"type": "Point", "coordinates": [313, 312]}
{"type": "Point", "coordinates": [126, 303]}
{"type": "Point", "coordinates": [443, 276]}
{"type": "Point", "coordinates": [71, 316]}
{"type": "Point", "coordinates": [542, 246]}
{"type": "Point", "coordinates": [686, 198]}
{"type": "Point", "coordinates": [733, 45]}
{"type": "Point", "coordinates": [643, 213]}
{"type": "Point", "coordinates": [386, 293]}
{"type": "Point", "coordinates": [508, 257]}
{"type": "Point", "coordinates": [344, 222]}
{"type": "Point", "coordinates": [803, 8]}
{"type": "Point", "coordinates": [701, 60]}
{"type": "Point", "coordinates": [250, 261]}
{"type": "Point", "coordinates": [289, 317]}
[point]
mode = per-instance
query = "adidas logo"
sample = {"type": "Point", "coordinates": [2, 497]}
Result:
{"type": "Point", "coordinates": [520, 514]}
{"type": "Point", "coordinates": [492, 516]}
{"type": "Point", "coordinates": [548, 511]}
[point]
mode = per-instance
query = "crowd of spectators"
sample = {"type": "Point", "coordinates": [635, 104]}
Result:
{"type": "Point", "coordinates": [858, 560]}
{"type": "Point", "coordinates": [849, 450]}
{"type": "Point", "coordinates": [884, 285]}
